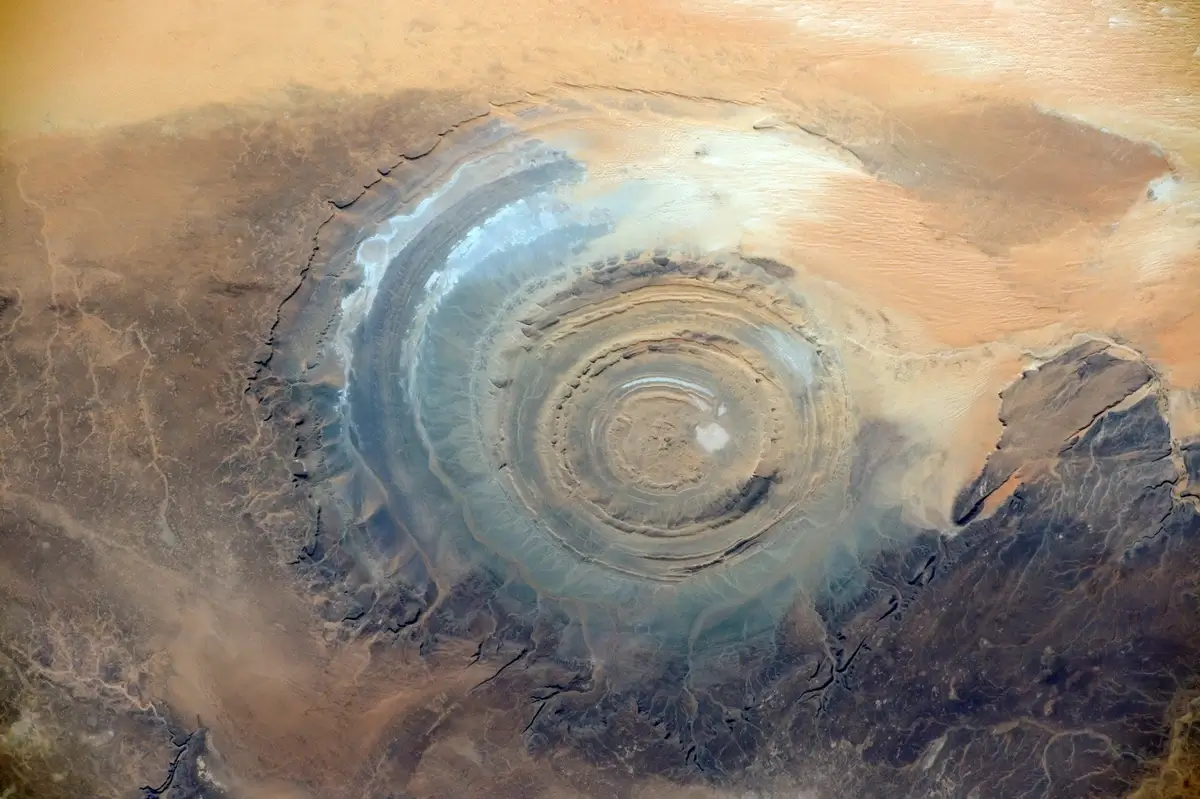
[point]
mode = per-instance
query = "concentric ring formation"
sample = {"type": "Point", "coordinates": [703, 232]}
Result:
{"type": "Point", "coordinates": [654, 416]}
{"type": "Point", "coordinates": [555, 379]}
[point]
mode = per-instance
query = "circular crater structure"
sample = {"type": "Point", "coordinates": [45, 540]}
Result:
{"type": "Point", "coordinates": [564, 373]}
{"type": "Point", "coordinates": [650, 417]}
{"type": "Point", "coordinates": [596, 401]}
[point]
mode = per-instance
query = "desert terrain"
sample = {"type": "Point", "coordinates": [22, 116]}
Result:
{"type": "Point", "coordinates": [678, 398]}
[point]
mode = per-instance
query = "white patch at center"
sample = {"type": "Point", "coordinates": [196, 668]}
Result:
{"type": "Point", "coordinates": [711, 436]}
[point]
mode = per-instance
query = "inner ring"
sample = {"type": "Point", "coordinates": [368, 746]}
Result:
{"type": "Point", "coordinates": [663, 432]}
{"type": "Point", "coordinates": [666, 437]}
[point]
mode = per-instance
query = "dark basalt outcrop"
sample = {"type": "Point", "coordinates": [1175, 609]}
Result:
{"type": "Point", "coordinates": [1067, 393]}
